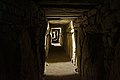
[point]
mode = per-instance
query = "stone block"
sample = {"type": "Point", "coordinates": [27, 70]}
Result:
{"type": "Point", "coordinates": [84, 18]}
{"type": "Point", "coordinates": [93, 29]}
{"type": "Point", "coordinates": [92, 12]}
{"type": "Point", "coordinates": [15, 39]}
{"type": "Point", "coordinates": [92, 57]}
{"type": "Point", "coordinates": [107, 22]}
{"type": "Point", "coordinates": [91, 20]}
{"type": "Point", "coordinates": [82, 35]}
{"type": "Point", "coordinates": [98, 18]}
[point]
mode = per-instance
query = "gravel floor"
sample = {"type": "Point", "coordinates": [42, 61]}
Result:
{"type": "Point", "coordinates": [59, 66]}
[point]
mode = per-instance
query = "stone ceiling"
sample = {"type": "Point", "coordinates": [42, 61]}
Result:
{"type": "Point", "coordinates": [62, 11]}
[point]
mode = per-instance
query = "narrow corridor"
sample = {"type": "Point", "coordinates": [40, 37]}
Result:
{"type": "Point", "coordinates": [59, 66]}
{"type": "Point", "coordinates": [87, 32]}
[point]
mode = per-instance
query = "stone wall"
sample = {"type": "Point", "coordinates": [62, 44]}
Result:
{"type": "Point", "coordinates": [22, 27]}
{"type": "Point", "coordinates": [67, 39]}
{"type": "Point", "coordinates": [99, 42]}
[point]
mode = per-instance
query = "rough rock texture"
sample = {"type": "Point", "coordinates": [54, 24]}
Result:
{"type": "Point", "coordinates": [20, 24]}
{"type": "Point", "coordinates": [99, 42]}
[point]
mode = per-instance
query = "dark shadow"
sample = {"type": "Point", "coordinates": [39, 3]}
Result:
{"type": "Point", "coordinates": [57, 54]}
{"type": "Point", "coordinates": [64, 77]}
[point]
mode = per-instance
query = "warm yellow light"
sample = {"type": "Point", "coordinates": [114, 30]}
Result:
{"type": "Point", "coordinates": [71, 23]}
{"type": "Point", "coordinates": [73, 43]}
{"type": "Point", "coordinates": [72, 31]}
{"type": "Point", "coordinates": [48, 26]}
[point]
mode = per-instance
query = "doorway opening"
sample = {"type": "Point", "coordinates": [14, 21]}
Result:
{"type": "Point", "coordinates": [56, 36]}
{"type": "Point", "coordinates": [61, 53]}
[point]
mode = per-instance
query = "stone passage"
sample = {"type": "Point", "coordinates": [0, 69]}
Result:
{"type": "Point", "coordinates": [59, 67]}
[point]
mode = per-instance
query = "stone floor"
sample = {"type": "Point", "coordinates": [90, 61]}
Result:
{"type": "Point", "coordinates": [59, 66]}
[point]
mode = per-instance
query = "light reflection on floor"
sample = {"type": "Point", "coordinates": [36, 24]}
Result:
{"type": "Point", "coordinates": [58, 66]}
{"type": "Point", "coordinates": [60, 69]}
{"type": "Point", "coordinates": [55, 44]}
